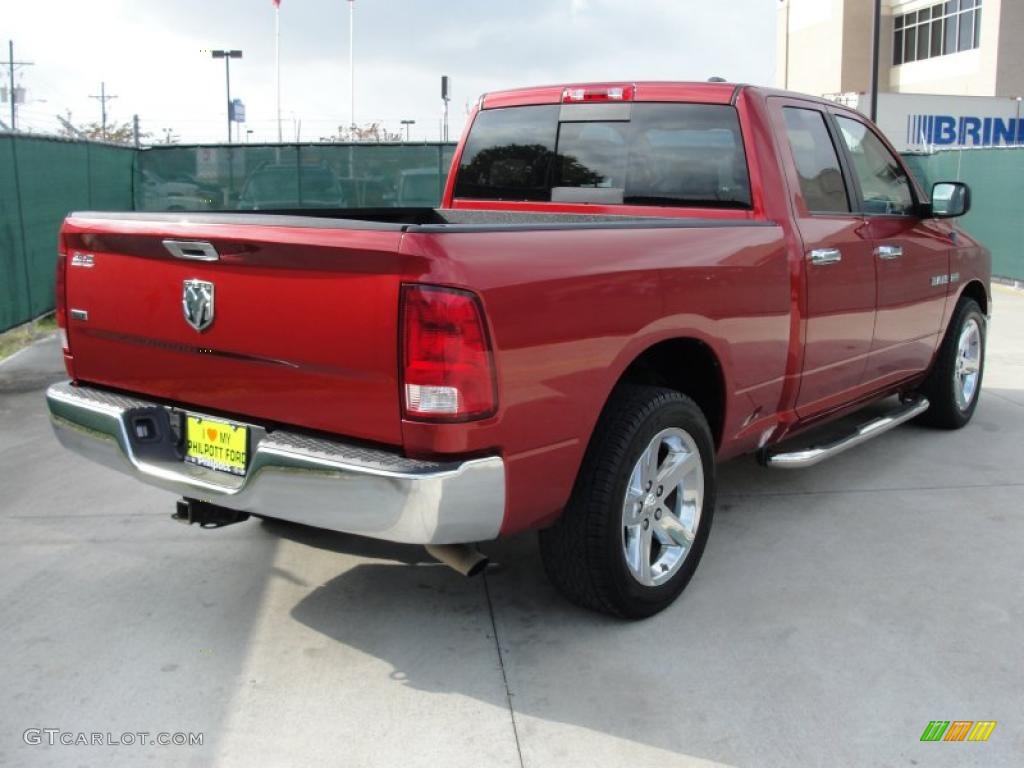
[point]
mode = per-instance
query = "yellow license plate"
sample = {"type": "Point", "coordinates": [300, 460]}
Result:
{"type": "Point", "coordinates": [216, 444]}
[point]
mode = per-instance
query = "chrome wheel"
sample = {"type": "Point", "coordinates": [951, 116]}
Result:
{"type": "Point", "coordinates": [661, 511]}
{"type": "Point", "coordinates": [967, 369]}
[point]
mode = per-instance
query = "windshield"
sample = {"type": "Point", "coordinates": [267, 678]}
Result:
{"type": "Point", "coordinates": [656, 154]}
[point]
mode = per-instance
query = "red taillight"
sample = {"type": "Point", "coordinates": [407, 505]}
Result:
{"type": "Point", "coordinates": [60, 296]}
{"type": "Point", "coordinates": [447, 367]}
{"type": "Point", "coordinates": [583, 94]}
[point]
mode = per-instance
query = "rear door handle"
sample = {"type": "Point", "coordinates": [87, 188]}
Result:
{"type": "Point", "coordinates": [821, 256]}
{"type": "Point", "coordinates": [889, 252]}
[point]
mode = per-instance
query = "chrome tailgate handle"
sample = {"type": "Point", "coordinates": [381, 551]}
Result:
{"type": "Point", "coordinates": [196, 250]}
{"type": "Point", "coordinates": [821, 256]}
{"type": "Point", "coordinates": [889, 252]}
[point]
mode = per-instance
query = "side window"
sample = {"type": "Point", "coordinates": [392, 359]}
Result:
{"type": "Point", "coordinates": [817, 162]}
{"type": "Point", "coordinates": [884, 186]}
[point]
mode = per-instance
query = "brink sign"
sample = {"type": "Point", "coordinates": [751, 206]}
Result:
{"type": "Point", "coordinates": [947, 130]}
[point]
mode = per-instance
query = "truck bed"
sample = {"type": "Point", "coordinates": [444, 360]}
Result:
{"type": "Point", "coordinates": [305, 333]}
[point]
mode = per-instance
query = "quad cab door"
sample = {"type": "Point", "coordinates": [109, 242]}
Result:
{"type": "Point", "coordinates": [838, 266]}
{"type": "Point", "coordinates": [911, 255]}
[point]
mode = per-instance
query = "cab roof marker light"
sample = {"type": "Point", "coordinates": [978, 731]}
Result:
{"type": "Point", "coordinates": [584, 94]}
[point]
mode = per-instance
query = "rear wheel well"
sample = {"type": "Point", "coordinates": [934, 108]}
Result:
{"type": "Point", "coordinates": [975, 290]}
{"type": "Point", "coordinates": [688, 366]}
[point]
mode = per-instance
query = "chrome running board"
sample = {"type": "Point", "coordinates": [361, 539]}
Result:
{"type": "Point", "coordinates": [808, 457]}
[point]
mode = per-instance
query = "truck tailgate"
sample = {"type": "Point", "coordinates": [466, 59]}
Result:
{"type": "Point", "coordinates": [304, 318]}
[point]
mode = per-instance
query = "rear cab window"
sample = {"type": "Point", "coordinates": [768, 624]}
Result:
{"type": "Point", "coordinates": [684, 155]}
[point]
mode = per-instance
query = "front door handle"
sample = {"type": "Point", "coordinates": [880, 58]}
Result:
{"type": "Point", "coordinates": [822, 256]}
{"type": "Point", "coordinates": [889, 252]}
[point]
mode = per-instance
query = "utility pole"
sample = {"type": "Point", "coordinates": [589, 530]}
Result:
{"type": "Point", "coordinates": [12, 94]}
{"type": "Point", "coordinates": [103, 99]}
{"type": "Point", "coordinates": [135, 130]}
{"type": "Point", "coordinates": [874, 60]}
{"type": "Point", "coordinates": [408, 123]}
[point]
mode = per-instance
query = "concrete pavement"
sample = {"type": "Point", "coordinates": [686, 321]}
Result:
{"type": "Point", "coordinates": [836, 612]}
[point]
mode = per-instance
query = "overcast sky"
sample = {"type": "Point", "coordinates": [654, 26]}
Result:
{"type": "Point", "coordinates": [150, 53]}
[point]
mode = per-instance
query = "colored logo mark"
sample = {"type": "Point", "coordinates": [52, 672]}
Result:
{"type": "Point", "coordinates": [958, 730]}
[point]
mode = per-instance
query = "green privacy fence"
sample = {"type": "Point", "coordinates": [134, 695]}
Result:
{"type": "Point", "coordinates": [262, 177]}
{"type": "Point", "coordinates": [996, 178]}
{"type": "Point", "coordinates": [41, 180]}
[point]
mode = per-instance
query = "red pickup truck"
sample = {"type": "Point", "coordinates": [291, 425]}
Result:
{"type": "Point", "coordinates": [626, 284]}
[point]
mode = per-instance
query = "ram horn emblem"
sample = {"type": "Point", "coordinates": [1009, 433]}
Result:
{"type": "Point", "coordinates": [197, 303]}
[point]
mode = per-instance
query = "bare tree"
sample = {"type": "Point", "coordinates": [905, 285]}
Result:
{"type": "Point", "coordinates": [369, 132]}
{"type": "Point", "coordinates": [122, 133]}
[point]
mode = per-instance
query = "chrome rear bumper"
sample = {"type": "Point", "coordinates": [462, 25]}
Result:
{"type": "Point", "coordinates": [314, 481]}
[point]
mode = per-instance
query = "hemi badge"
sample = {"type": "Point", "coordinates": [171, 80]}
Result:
{"type": "Point", "coordinates": [79, 314]}
{"type": "Point", "coordinates": [82, 259]}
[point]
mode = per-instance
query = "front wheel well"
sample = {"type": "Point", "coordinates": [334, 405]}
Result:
{"type": "Point", "coordinates": [975, 290]}
{"type": "Point", "coordinates": [688, 366]}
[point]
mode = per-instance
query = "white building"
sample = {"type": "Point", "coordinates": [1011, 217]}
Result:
{"type": "Point", "coordinates": [956, 48]}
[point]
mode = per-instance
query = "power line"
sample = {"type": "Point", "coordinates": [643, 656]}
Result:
{"type": "Point", "coordinates": [67, 125]}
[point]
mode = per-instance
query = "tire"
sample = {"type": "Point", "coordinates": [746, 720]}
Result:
{"type": "Point", "coordinates": [594, 554]}
{"type": "Point", "coordinates": [952, 402]}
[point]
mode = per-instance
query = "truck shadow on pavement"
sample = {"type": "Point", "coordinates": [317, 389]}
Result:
{"type": "Point", "coordinates": [781, 604]}
{"type": "Point", "coordinates": [559, 665]}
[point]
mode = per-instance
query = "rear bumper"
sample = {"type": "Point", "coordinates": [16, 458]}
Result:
{"type": "Point", "coordinates": [314, 481]}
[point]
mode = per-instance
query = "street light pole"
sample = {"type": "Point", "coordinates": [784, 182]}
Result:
{"type": "Point", "coordinates": [785, 78]}
{"type": "Point", "coordinates": [227, 55]}
{"type": "Point", "coordinates": [445, 97]}
{"type": "Point", "coordinates": [10, 72]}
{"type": "Point", "coordinates": [408, 123]}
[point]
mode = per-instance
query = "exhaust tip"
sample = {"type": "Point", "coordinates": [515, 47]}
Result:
{"type": "Point", "coordinates": [464, 558]}
{"type": "Point", "coordinates": [478, 567]}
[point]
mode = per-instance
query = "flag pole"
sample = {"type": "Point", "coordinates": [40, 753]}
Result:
{"type": "Point", "coordinates": [277, 62]}
{"type": "Point", "coordinates": [352, 59]}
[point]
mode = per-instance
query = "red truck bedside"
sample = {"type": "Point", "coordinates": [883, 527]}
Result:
{"type": "Point", "coordinates": [625, 284]}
